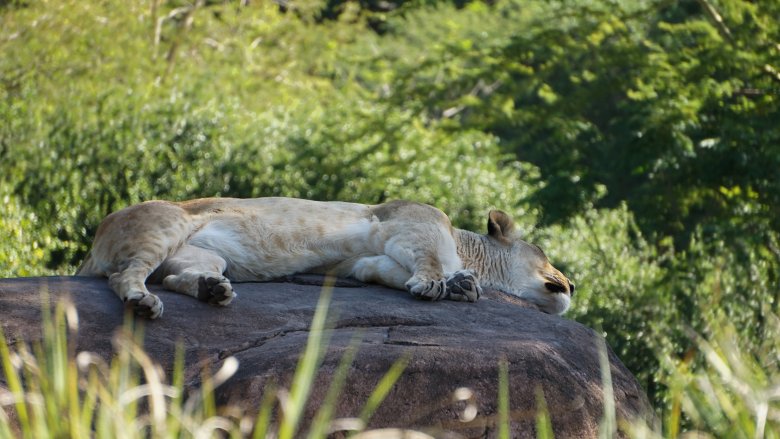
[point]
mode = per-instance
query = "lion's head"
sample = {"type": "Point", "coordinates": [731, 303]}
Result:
{"type": "Point", "coordinates": [522, 269]}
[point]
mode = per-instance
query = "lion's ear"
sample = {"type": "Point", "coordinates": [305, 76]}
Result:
{"type": "Point", "coordinates": [500, 225]}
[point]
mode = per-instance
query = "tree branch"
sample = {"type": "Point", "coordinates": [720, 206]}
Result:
{"type": "Point", "coordinates": [717, 19]}
{"type": "Point", "coordinates": [725, 32]}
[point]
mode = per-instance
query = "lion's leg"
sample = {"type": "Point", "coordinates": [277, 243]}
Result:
{"type": "Point", "coordinates": [382, 270]}
{"type": "Point", "coordinates": [198, 272]}
{"type": "Point", "coordinates": [427, 279]}
{"type": "Point", "coordinates": [428, 252]}
{"type": "Point", "coordinates": [130, 244]}
{"type": "Point", "coordinates": [129, 285]}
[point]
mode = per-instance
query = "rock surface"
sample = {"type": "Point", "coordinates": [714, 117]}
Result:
{"type": "Point", "coordinates": [449, 345]}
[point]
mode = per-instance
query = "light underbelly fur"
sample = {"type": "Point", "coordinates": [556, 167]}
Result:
{"type": "Point", "coordinates": [267, 244]}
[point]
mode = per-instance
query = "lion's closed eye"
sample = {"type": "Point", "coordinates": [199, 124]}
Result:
{"type": "Point", "coordinates": [555, 284]}
{"type": "Point", "coordinates": [555, 287]}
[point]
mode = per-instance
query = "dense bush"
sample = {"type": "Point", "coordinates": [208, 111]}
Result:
{"type": "Point", "coordinates": [648, 301]}
{"type": "Point", "coordinates": [97, 138]}
{"type": "Point", "coordinates": [637, 142]}
{"type": "Point", "coordinates": [167, 150]}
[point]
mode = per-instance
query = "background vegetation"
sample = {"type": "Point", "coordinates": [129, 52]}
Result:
{"type": "Point", "coordinates": [638, 142]}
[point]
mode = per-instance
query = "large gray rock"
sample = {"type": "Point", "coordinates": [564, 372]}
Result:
{"type": "Point", "coordinates": [449, 344]}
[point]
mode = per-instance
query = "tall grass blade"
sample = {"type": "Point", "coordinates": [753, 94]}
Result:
{"type": "Point", "coordinates": [543, 422]}
{"type": "Point", "coordinates": [503, 398]}
{"type": "Point", "coordinates": [207, 393]}
{"type": "Point", "coordinates": [176, 402]}
{"type": "Point", "coordinates": [383, 388]}
{"type": "Point", "coordinates": [263, 421]}
{"type": "Point", "coordinates": [319, 427]}
{"type": "Point", "coordinates": [42, 382]}
{"type": "Point", "coordinates": [608, 425]}
{"type": "Point", "coordinates": [5, 424]}
{"type": "Point", "coordinates": [153, 379]}
{"type": "Point", "coordinates": [307, 366]}
{"type": "Point", "coordinates": [90, 401]}
{"type": "Point", "coordinates": [14, 386]}
{"type": "Point", "coordinates": [33, 381]}
{"type": "Point", "coordinates": [74, 400]}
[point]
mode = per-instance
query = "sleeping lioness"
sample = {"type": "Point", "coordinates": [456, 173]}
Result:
{"type": "Point", "coordinates": [198, 247]}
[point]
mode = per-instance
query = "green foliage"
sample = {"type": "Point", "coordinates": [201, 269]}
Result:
{"type": "Point", "coordinates": [620, 286]}
{"type": "Point", "coordinates": [736, 394]}
{"type": "Point", "coordinates": [659, 102]}
{"type": "Point", "coordinates": [645, 300]}
{"type": "Point", "coordinates": [100, 128]}
{"type": "Point", "coordinates": [24, 252]}
{"type": "Point", "coordinates": [719, 389]}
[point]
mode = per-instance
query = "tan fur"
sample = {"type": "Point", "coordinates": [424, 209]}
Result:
{"type": "Point", "coordinates": [198, 247]}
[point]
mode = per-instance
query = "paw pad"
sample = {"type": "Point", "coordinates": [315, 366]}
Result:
{"type": "Point", "coordinates": [147, 306]}
{"type": "Point", "coordinates": [215, 290]}
{"type": "Point", "coordinates": [463, 286]}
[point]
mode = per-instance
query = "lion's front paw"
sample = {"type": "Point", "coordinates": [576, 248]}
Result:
{"type": "Point", "coordinates": [215, 290]}
{"type": "Point", "coordinates": [145, 305]}
{"type": "Point", "coordinates": [427, 289]}
{"type": "Point", "coordinates": [463, 286]}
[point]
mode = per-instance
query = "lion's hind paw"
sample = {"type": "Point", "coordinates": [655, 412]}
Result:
{"type": "Point", "coordinates": [147, 306]}
{"type": "Point", "coordinates": [215, 290]}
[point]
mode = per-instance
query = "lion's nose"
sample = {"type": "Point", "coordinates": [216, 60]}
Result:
{"type": "Point", "coordinates": [571, 288]}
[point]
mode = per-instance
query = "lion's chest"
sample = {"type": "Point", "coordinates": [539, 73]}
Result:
{"type": "Point", "coordinates": [260, 245]}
